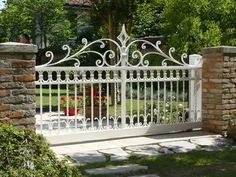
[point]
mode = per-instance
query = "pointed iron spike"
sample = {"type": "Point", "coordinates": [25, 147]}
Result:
{"type": "Point", "coordinates": [123, 36]}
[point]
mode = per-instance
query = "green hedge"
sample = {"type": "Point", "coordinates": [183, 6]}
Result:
{"type": "Point", "coordinates": [23, 153]}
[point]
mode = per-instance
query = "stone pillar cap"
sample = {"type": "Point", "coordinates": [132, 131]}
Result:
{"type": "Point", "coordinates": [220, 50]}
{"type": "Point", "coordinates": [15, 47]}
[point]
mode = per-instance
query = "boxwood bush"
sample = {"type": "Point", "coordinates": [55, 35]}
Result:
{"type": "Point", "coordinates": [23, 153]}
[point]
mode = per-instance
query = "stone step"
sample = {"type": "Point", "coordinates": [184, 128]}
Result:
{"type": "Point", "coordinates": [149, 175]}
{"type": "Point", "coordinates": [87, 157]}
{"type": "Point", "coordinates": [122, 169]}
{"type": "Point", "coordinates": [116, 154]}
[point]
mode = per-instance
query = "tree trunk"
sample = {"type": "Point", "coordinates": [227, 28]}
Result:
{"type": "Point", "coordinates": [112, 35]}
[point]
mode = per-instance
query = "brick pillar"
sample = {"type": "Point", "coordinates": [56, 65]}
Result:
{"type": "Point", "coordinates": [17, 87]}
{"type": "Point", "coordinates": [219, 87]}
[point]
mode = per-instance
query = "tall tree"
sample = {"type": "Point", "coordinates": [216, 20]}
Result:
{"type": "Point", "coordinates": [190, 25]}
{"type": "Point", "coordinates": [111, 14]}
{"type": "Point", "coordinates": [43, 19]}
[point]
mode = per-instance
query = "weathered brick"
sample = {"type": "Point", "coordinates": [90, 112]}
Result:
{"type": "Point", "coordinates": [5, 120]}
{"type": "Point", "coordinates": [13, 114]}
{"type": "Point", "coordinates": [4, 71]}
{"type": "Point", "coordinates": [23, 106]}
{"type": "Point", "coordinates": [4, 93]}
{"type": "Point", "coordinates": [4, 107]}
{"type": "Point", "coordinates": [12, 85]}
{"type": "Point", "coordinates": [6, 78]}
{"type": "Point", "coordinates": [24, 78]}
{"type": "Point", "coordinates": [30, 85]}
{"type": "Point", "coordinates": [30, 113]}
{"type": "Point", "coordinates": [23, 92]}
{"type": "Point", "coordinates": [5, 63]}
{"type": "Point", "coordinates": [24, 121]}
{"type": "Point", "coordinates": [30, 99]}
{"type": "Point", "coordinates": [23, 64]}
{"type": "Point", "coordinates": [215, 112]}
{"type": "Point", "coordinates": [13, 99]}
{"type": "Point", "coordinates": [24, 71]}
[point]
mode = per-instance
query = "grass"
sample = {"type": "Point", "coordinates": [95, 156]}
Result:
{"type": "Point", "coordinates": [112, 108]}
{"type": "Point", "coordinates": [220, 163]}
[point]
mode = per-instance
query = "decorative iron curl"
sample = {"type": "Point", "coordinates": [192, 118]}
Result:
{"type": "Point", "coordinates": [123, 48]}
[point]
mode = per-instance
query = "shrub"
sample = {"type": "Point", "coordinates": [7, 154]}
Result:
{"type": "Point", "coordinates": [24, 153]}
{"type": "Point", "coordinates": [231, 131]}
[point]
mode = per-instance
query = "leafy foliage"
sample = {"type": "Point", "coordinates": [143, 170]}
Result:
{"type": "Point", "coordinates": [146, 19]}
{"type": "Point", "coordinates": [190, 25]}
{"type": "Point", "coordinates": [23, 153]}
{"type": "Point", "coordinates": [44, 20]}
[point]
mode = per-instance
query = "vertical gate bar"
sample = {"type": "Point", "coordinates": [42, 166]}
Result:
{"type": "Point", "coordinates": [41, 105]}
{"type": "Point", "coordinates": [177, 94]}
{"type": "Point", "coordinates": [92, 98]}
{"type": "Point", "coordinates": [115, 90]}
{"type": "Point", "coordinates": [84, 98]}
{"type": "Point", "coordinates": [131, 103]}
{"type": "Point", "coordinates": [183, 77]}
{"type": "Point", "coordinates": [100, 100]}
{"type": "Point", "coordinates": [50, 92]}
{"type": "Point", "coordinates": [58, 106]}
{"type": "Point", "coordinates": [152, 77]}
{"type": "Point", "coordinates": [67, 102]}
{"type": "Point", "coordinates": [124, 59]}
{"type": "Point", "coordinates": [108, 104]}
{"type": "Point", "coordinates": [50, 102]}
{"type": "Point", "coordinates": [171, 100]}
{"type": "Point", "coordinates": [84, 121]}
{"type": "Point", "coordinates": [76, 105]}
{"type": "Point", "coordinates": [92, 105]}
{"type": "Point", "coordinates": [158, 97]}
{"type": "Point", "coordinates": [171, 95]}
{"type": "Point", "coordinates": [138, 110]}
{"type": "Point", "coordinates": [165, 95]}
{"type": "Point", "coordinates": [145, 103]}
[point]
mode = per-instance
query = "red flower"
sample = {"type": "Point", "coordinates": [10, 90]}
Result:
{"type": "Point", "coordinates": [71, 102]}
{"type": "Point", "coordinates": [63, 99]}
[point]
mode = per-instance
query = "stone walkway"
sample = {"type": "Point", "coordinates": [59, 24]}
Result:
{"type": "Point", "coordinates": [120, 150]}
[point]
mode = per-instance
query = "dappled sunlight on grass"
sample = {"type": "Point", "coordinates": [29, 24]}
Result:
{"type": "Point", "coordinates": [220, 163]}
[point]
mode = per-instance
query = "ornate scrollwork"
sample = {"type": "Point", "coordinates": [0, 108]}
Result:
{"type": "Point", "coordinates": [122, 49]}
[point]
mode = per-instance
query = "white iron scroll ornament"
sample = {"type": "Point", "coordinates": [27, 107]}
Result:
{"type": "Point", "coordinates": [123, 49]}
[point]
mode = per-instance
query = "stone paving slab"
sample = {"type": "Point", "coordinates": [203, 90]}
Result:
{"type": "Point", "coordinates": [150, 175]}
{"type": "Point", "coordinates": [134, 141]}
{"type": "Point", "coordinates": [212, 142]}
{"type": "Point", "coordinates": [116, 154]}
{"type": "Point", "coordinates": [88, 157]}
{"type": "Point", "coordinates": [148, 150]}
{"type": "Point", "coordinates": [179, 146]}
{"type": "Point", "coordinates": [122, 169]}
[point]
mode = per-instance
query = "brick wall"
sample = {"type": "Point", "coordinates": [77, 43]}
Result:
{"type": "Point", "coordinates": [219, 87]}
{"type": "Point", "coordinates": [17, 88]}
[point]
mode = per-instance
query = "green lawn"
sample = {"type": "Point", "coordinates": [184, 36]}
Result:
{"type": "Point", "coordinates": [112, 108]}
{"type": "Point", "coordinates": [193, 164]}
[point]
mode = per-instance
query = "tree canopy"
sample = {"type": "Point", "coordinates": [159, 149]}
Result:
{"type": "Point", "coordinates": [190, 25]}
{"type": "Point", "coordinates": [187, 25]}
{"type": "Point", "coordinates": [44, 19]}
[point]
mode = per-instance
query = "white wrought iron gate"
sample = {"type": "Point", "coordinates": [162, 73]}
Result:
{"type": "Point", "coordinates": [128, 98]}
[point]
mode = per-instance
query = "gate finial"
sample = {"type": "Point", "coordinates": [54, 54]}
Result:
{"type": "Point", "coordinates": [123, 36]}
